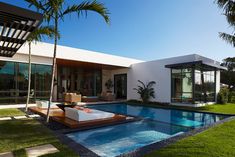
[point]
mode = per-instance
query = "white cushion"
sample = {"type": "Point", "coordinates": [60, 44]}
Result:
{"type": "Point", "coordinates": [80, 115]}
{"type": "Point", "coordinates": [71, 113]}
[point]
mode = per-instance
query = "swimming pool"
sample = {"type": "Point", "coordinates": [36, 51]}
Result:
{"type": "Point", "coordinates": [156, 125]}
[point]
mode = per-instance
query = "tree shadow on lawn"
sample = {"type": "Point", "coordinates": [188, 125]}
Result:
{"type": "Point", "coordinates": [19, 134]}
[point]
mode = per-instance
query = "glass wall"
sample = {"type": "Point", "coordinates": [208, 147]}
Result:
{"type": "Point", "coordinates": [14, 82]}
{"type": "Point", "coordinates": [86, 81]}
{"type": "Point", "coordinates": [193, 85]}
{"type": "Point", "coordinates": [204, 86]}
{"type": "Point", "coordinates": [182, 85]}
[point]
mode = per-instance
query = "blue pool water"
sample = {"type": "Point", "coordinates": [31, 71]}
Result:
{"type": "Point", "coordinates": [156, 125]}
{"type": "Point", "coordinates": [177, 117]}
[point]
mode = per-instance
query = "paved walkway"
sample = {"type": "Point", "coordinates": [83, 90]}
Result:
{"type": "Point", "coordinates": [19, 117]}
{"type": "Point", "coordinates": [35, 151]}
{"type": "Point", "coordinates": [6, 154]}
{"type": "Point", "coordinates": [15, 106]}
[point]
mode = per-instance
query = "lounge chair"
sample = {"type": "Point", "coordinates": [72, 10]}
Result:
{"type": "Point", "coordinates": [82, 115]}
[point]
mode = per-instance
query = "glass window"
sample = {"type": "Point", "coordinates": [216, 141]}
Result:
{"type": "Point", "coordinates": [14, 81]}
{"type": "Point", "coordinates": [42, 81]}
{"type": "Point", "coordinates": [22, 78]}
{"type": "Point", "coordinates": [182, 85]}
{"type": "Point", "coordinates": [87, 81]}
{"type": "Point", "coordinates": [204, 85]}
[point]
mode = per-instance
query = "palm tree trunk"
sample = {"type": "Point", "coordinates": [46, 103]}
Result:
{"type": "Point", "coordinates": [29, 78]}
{"type": "Point", "coordinates": [53, 70]}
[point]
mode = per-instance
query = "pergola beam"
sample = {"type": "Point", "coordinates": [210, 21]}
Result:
{"type": "Point", "coordinates": [16, 24]}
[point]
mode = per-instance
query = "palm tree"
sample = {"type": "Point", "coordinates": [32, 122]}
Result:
{"type": "Point", "coordinates": [55, 11]}
{"type": "Point", "coordinates": [36, 36]}
{"type": "Point", "coordinates": [228, 7]}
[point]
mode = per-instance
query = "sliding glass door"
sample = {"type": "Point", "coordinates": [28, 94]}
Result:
{"type": "Point", "coordinates": [85, 81]}
{"type": "Point", "coordinates": [193, 85]}
{"type": "Point", "coordinates": [120, 86]}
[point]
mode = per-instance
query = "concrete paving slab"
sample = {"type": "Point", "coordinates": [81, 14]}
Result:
{"type": "Point", "coordinates": [7, 154]}
{"type": "Point", "coordinates": [41, 150]}
{"type": "Point", "coordinates": [34, 116]}
{"type": "Point", "coordinates": [20, 117]}
{"type": "Point", "coordinates": [5, 118]}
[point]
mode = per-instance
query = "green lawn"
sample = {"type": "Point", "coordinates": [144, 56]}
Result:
{"type": "Point", "coordinates": [215, 142]}
{"type": "Point", "coordinates": [219, 108]}
{"type": "Point", "coordinates": [11, 112]}
{"type": "Point", "coordinates": [218, 141]}
{"type": "Point", "coordinates": [15, 135]}
{"type": "Point", "coordinates": [19, 134]}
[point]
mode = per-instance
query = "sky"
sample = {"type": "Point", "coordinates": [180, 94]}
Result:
{"type": "Point", "coordinates": [148, 29]}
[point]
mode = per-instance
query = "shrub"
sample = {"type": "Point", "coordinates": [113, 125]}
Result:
{"type": "Point", "coordinates": [231, 97]}
{"type": "Point", "coordinates": [146, 91]}
{"type": "Point", "coordinates": [222, 97]}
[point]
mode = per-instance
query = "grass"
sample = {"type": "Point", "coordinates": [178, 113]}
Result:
{"type": "Point", "coordinates": [220, 108]}
{"type": "Point", "coordinates": [218, 141]}
{"type": "Point", "coordinates": [16, 135]}
{"type": "Point", "coordinates": [11, 112]}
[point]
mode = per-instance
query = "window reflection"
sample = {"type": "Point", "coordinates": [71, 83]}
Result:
{"type": "Point", "coordinates": [199, 89]}
{"type": "Point", "coordinates": [14, 81]}
{"type": "Point", "coordinates": [182, 85]}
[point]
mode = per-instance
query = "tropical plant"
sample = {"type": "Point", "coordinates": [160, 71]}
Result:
{"type": "Point", "coordinates": [222, 97]}
{"type": "Point", "coordinates": [36, 36]}
{"type": "Point", "coordinates": [146, 91]}
{"type": "Point", "coordinates": [228, 76]}
{"type": "Point", "coordinates": [228, 7]}
{"type": "Point", "coordinates": [55, 11]}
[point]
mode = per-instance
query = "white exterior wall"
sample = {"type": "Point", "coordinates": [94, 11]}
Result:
{"type": "Point", "coordinates": [156, 71]}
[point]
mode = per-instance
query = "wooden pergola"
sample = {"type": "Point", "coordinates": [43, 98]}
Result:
{"type": "Point", "coordinates": [16, 24]}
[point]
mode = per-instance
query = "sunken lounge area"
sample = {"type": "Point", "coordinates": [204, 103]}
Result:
{"type": "Point", "coordinates": [78, 117]}
{"type": "Point", "coordinates": [73, 116]}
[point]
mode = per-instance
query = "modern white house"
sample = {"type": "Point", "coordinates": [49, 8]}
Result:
{"type": "Point", "coordinates": [190, 79]}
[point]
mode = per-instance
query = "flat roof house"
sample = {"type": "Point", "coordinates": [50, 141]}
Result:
{"type": "Point", "coordinates": [190, 79]}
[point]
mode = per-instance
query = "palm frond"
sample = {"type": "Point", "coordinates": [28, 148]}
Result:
{"type": "Point", "coordinates": [150, 84]}
{"type": "Point", "coordinates": [228, 38]}
{"type": "Point", "coordinates": [227, 5]}
{"type": "Point", "coordinates": [230, 19]}
{"type": "Point", "coordinates": [145, 91]}
{"type": "Point", "coordinates": [37, 4]}
{"type": "Point", "coordinates": [88, 6]}
{"type": "Point", "coordinates": [41, 32]}
{"type": "Point", "coordinates": [142, 83]}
